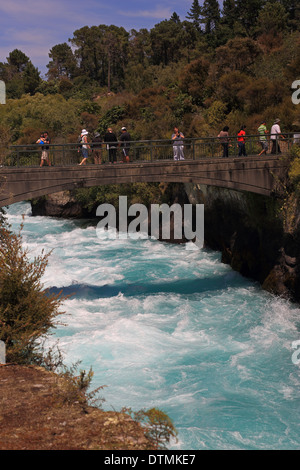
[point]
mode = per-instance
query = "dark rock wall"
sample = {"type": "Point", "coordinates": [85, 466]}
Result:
{"type": "Point", "coordinates": [252, 236]}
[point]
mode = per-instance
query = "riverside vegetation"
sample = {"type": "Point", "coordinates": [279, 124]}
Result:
{"type": "Point", "coordinates": [233, 66]}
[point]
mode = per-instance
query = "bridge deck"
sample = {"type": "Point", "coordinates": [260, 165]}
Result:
{"type": "Point", "coordinates": [254, 174]}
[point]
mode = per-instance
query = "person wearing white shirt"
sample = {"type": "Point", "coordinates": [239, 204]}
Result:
{"type": "Point", "coordinates": [275, 134]}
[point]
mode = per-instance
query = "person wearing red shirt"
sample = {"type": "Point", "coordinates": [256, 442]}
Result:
{"type": "Point", "coordinates": [241, 141]}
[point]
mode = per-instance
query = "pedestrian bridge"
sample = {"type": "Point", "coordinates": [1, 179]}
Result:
{"type": "Point", "coordinates": [258, 175]}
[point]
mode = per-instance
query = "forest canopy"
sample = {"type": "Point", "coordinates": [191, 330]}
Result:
{"type": "Point", "coordinates": [230, 65]}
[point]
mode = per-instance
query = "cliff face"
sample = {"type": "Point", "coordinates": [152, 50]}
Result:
{"type": "Point", "coordinates": [60, 204]}
{"type": "Point", "coordinates": [253, 236]}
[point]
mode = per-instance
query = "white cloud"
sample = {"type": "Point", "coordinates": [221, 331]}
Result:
{"type": "Point", "coordinates": [158, 13]}
{"type": "Point", "coordinates": [31, 8]}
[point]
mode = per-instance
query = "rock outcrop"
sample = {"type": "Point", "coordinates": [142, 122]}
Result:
{"type": "Point", "coordinates": [253, 236]}
{"type": "Point", "coordinates": [61, 204]}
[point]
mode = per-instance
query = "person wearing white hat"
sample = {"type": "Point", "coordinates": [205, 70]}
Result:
{"type": "Point", "coordinates": [275, 134]}
{"type": "Point", "coordinates": [84, 146]}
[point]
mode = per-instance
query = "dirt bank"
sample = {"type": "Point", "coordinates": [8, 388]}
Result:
{"type": "Point", "coordinates": [33, 416]}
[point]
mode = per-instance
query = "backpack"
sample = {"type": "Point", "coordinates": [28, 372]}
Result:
{"type": "Point", "coordinates": [80, 140]}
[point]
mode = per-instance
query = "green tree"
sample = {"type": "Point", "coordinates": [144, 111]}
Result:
{"type": "Point", "coordinates": [31, 78]}
{"type": "Point", "coordinates": [88, 52]}
{"type": "Point", "coordinates": [175, 17]}
{"type": "Point", "coordinates": [102, 53]}
{"type": "Point", "coordinates": [115, 43]}
{"type": "Point", "coordinates": [248, 14]}
{"type": "Point", "coordinates": [229, 13]}
{"type": "Point", "coordinates": [63, 63]}
{"type": "Point", "coordinates": [17, 60]}
{"type": "Point", "coordinates": [272, 18]}
{"type": "Point", "coordinates": [165, 42]}
{"type": "Point", "coordinates": [194, 15]}
{"type": "Point", "coordinates": [230, 26]}
{"type": "Point", "coordinates": [19, 74]}
{"type": "Point", "coordinates": [139, 48]}
{"type": "Point", "coordinates": [211, 16]}
{"type": "Point", "coordinates": [293, 10]}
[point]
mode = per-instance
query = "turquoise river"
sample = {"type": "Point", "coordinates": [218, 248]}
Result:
{"type": "Point", "coordinates": [167, 327]}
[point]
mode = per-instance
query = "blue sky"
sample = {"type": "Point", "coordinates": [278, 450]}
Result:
{"type": "Point", "coordinates": [35, 26]}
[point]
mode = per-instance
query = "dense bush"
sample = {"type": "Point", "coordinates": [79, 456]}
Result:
{"type": "Point", "coordinates": [27, 311]}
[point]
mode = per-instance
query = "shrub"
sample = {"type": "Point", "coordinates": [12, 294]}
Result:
{"type": "Point", "coordinates": [27, 311]}
{"type": "Point", "coordinates": [158, 427]}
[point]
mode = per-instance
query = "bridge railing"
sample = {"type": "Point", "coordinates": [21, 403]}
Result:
{"type": "Point", "coordinates": [69, 154]}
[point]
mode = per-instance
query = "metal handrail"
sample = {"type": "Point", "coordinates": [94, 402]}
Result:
{"type": "Point", "coordinates": [66, 154]}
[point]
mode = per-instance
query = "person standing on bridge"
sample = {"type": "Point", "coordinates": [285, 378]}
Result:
{"type": "Point", "coordinates": [111, 144]}
{"type": "Point", "coordinates": [241, 141]}
{"type": "Point", "coordinates": [262, 130]}
{"type": "Point", "coordinates": [96, 148]}
{"type": "Point", "coordinates": [224, 139]}
{"type": "Point", "coordinates": [44, 139]}
{"type": "Point", "coordinates": [177, 138]}
{"type": "Point", "coordinates": [275, 134]}
{"type": "Point", "coordinates": [125, 143]}
{"type": "Point", "coordinates": [84, 147]}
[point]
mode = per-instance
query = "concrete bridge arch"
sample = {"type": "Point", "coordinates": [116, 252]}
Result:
{"type": "Point", "coordinates": [253, 174]}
